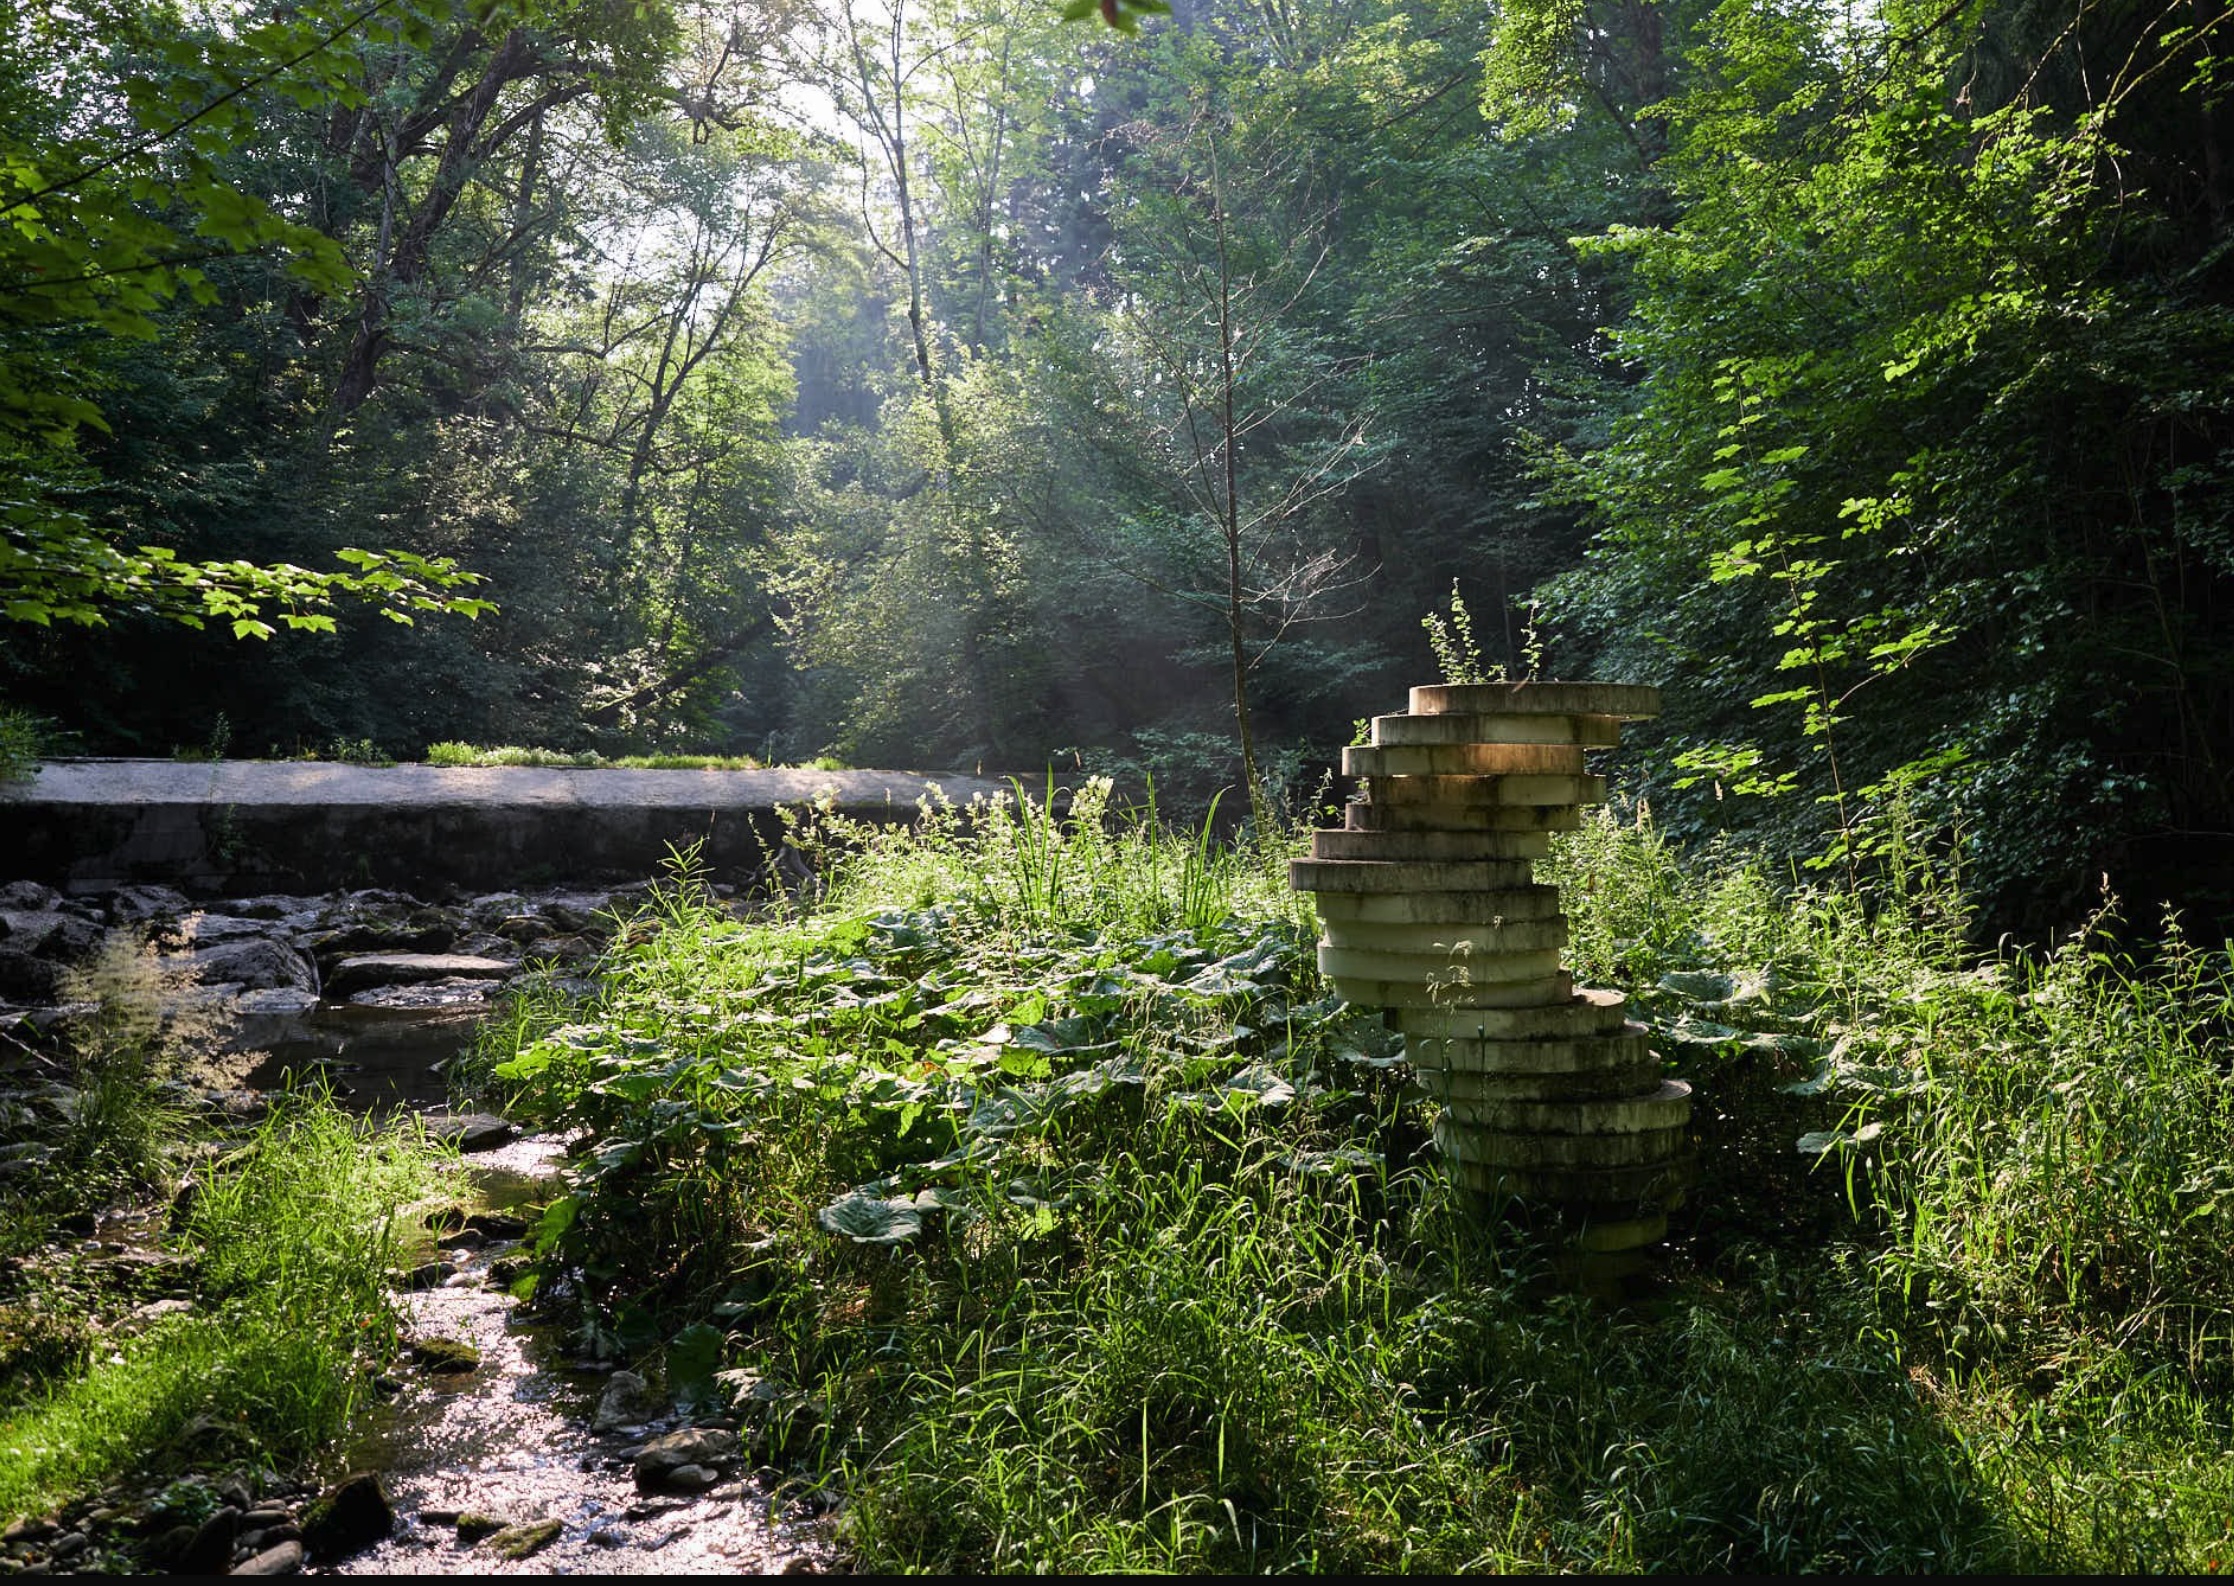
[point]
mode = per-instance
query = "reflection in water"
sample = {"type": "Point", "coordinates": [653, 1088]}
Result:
{"type": "Point", "coordinates": [379, 1063]}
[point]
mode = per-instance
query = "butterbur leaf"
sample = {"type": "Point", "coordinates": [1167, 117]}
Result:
{"type": "Point", "coordinates": [871, 1220]}
{"type": "Point", "coordinates": [1343, 1159]}
{"type": "Point", "coordinates": [1056, 1036]}
{"type": "Point", "coordinates": [1817, 1141]}
{"type": "Point", "coordinates": [1259, 1085]}
{"type": "Point", "coordinates": [557, 1218]}
{"type": "Point", "coordinates": [1699, 985]}
{"type": "Point", "coordinates": [693, 1357]}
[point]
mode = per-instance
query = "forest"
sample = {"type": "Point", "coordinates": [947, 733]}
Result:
{"type": "Point", "coordinates": [946, 386]}
{"type": "Point", "coordinates": [1128, 401]}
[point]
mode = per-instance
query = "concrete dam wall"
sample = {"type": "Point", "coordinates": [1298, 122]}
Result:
{"type": "Point", "coordinates": [231, 827]}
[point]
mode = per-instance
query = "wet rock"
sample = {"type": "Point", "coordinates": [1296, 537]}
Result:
{"type": "Point", "coordinates": [483, 944]}
{"type": "Point", "coordinates": [473, 1525]}
{"type": "Point", "coordinates": [278, 1002]}
{"type": "Point", "coordinates": [441, 1356]}
{"type": "Point", "coordinates": [133, 905]}
{"type": "Point", "coordinates": [427, 1275]}
{"type": "Point", "coordinates": [69, 1546]}
{"type": "Point", "coordinates": [207, 930]}
{"type": "Point", "coordinates": [432, 996]}
{"type": "Point", "coordinates": [51, 933]}
{"type": "Point", "coordinates": [560, 950]}
{"type": "Point", "coordinates": [406, 969]}
{"type": "Point", "coordinates": [273, 906]}
{"type": "Point", "coordinates": [349, 1518]}
{"type": "Point", "coordinates": [210, 1548]}
{"type": "Point", "coordinates": [661, 1459]}
{"type": "Point", "coordinates": [169, 1548]}
{"type": "Point", "coordinates": [255, 963]}
{"type": "Point", "coordinates": [517, 1542]}
{"type": "Point", "coordinates": [497, 1225]}
{"type": "Point", "coordinates": [690, 1478]}
{"type": "Point", "coordinates": [234, 1493]}
{"type": "Point", "coordinates": [471, 1131]}
{"type": "Point", "coordinates": [26, 977]}
{"type": "Point", "coordinates": [139, 1319]}
{"type": "Point", "coordinates": [627, 1400]}
{"type": "Point", "coordinates": [282, 1558]}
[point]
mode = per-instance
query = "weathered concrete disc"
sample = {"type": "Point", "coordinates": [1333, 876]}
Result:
{"type": "Point", "coordinates": [1503, 1148]}
{"type": "Point", "coordinates": [1624, 1233]}
{"type": "Point", "coordinates": [1669, 1107]}
{"type": "Point", "coordinates": [1621, 1191]}
{"type": "Point", "coordinates": [1451, 971]}
{"type": "Point", "coordinates": [1583, 1054]}
{"type": "Point", "coordinates": [1363, 817]}
{"type": "Point", "coordinates": [1567, 1016]}
{"type": "Point", "coordinates": [1455, 942]}
{"type": "Point", "coordinates": [1401, 846]}
{"type": "Point", "coordinates": [1625, 701]}
{"type": "Point", "coordinates": [1440, 908]}
{"type": "Point", "coordinates": [1484, 997]}
{"type": "Point", "coordinates": [1365, 875]}
{"type": "Point", "coordinates": [1558, 792]}
{"type": "Point", "coordinates": [1592, 732]}
{"type": "Point", "coordinates": [1466, 759]}
{"type": "Point", "coordinates": [1613, 1084]}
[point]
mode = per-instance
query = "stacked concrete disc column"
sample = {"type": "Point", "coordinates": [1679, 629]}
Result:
{"type": "Point", "coordinates": [1432, 911]}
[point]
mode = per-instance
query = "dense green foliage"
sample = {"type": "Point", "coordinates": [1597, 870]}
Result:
{"type": "Point", "coordinates": [1059, 1215]}
{"type": "Point", "coordinates": [929, 383]}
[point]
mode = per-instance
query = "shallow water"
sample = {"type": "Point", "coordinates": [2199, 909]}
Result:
{"type": "Point", "coordinates": [513, 1439]}
{"type": "Point", "coordinates": [378, 1063]}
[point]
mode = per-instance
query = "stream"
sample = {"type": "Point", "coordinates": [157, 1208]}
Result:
{"type": "Point", "coordinates": [512, 1439]}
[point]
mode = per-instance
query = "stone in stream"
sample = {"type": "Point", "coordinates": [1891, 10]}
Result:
{"type": "Point", "coordinates": [627, 1401]}
{"type": "Point", "coordinates": [453, 994]}
{"type": "Point", "coordinates": [518, 1541]}
{"type": "Point", "coordinates": [474, 1525]}
{"type": "Point", "coordinates": [133, 905]}
{"type": "Point", "coordinates": [406, 969]}
{"type": "Point", "coordinates": [255, 963]}
{"type": "Point", "coordinates": [350, 1517]}
{"type": "Point", "coordinates": [282, 1558]}
{"type": "Point", "coordinates": [208, 1549]}
{"type": "Point", "coordinates": [471, 1131]}
{"type": "Point", "coordinates": [444, 1356]}
{"type": "Point", "coordinates": [698, 1449]}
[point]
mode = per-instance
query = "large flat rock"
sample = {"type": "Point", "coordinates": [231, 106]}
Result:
{"type": "Point", "coordinates": [301, 827]}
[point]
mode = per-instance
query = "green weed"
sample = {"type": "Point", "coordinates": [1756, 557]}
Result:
{"type": "Point", "coordinates": [292, 1237]}
{"type": "Point", "coordinates": [1038, 1160]}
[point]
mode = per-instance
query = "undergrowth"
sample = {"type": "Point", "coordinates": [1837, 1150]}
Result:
{"type": "Point", "coordinates": [1076, 1226]}
{"type": "Point", "coordinates": [280, 1245]}
{"type": "Point", "coordinates": [291, 1242]}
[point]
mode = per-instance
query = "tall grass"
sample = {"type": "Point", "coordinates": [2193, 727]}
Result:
{"type": "Point", "coordinates": [293, 1239]}
{"type": "Point", "coordinates": [1036, 1154]}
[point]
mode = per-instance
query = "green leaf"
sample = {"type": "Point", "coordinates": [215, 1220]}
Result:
{"type": "Point", "coordinates": [693, 1357]}
{"type": "Point", "coordinates": [871, 1219]}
